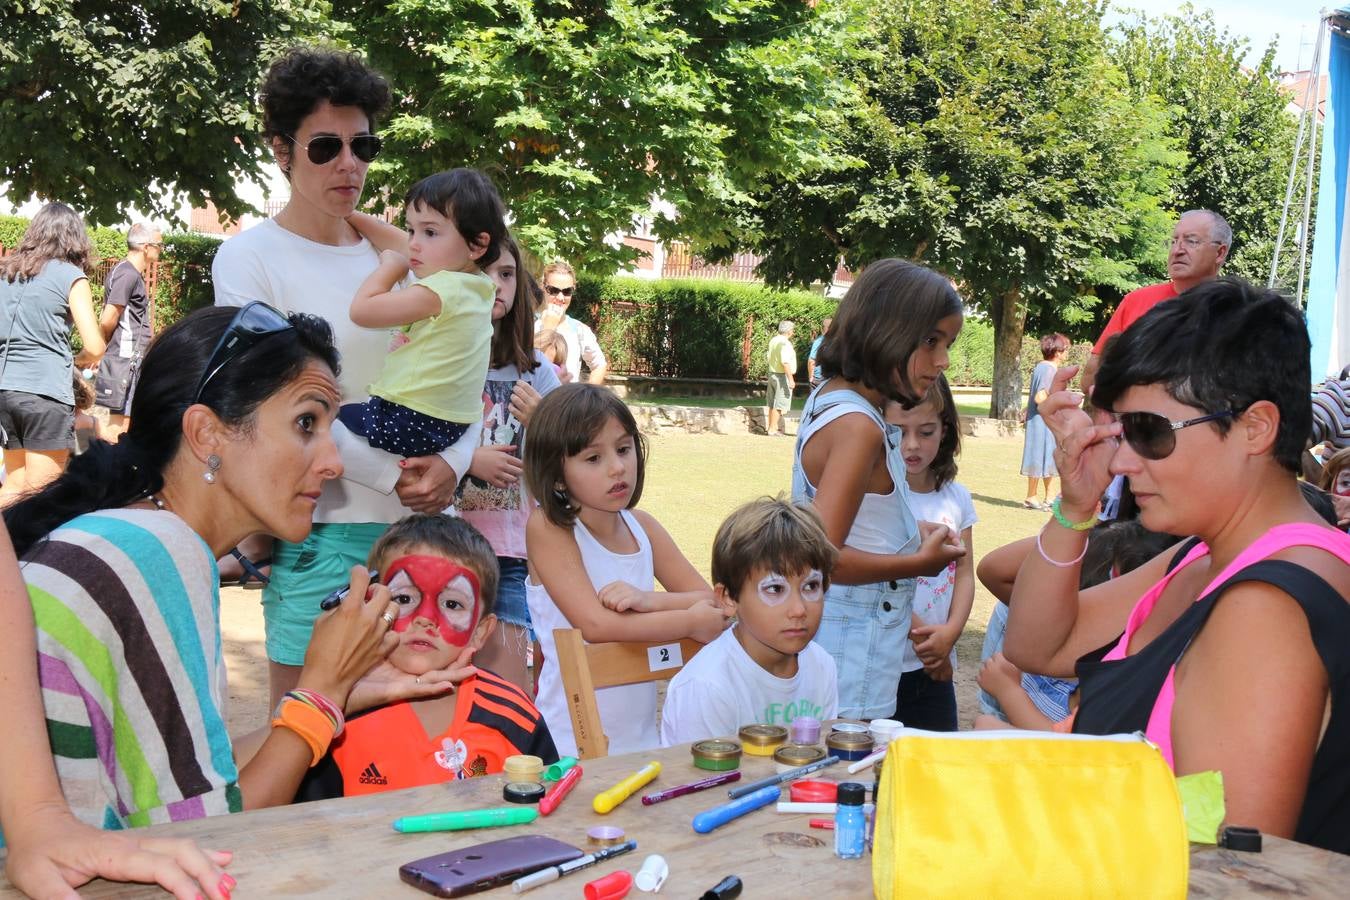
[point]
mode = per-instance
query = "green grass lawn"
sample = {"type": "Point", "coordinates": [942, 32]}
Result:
{"type": "Point", "coordinates": [694, 481]}
{"type": "Point", "coordinates": [966, 408]}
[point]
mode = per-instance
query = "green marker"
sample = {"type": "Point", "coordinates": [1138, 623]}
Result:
{"type": "Point", "coordinates": [466, 819]}
{"type": "Point", "coordinates": [556, 771]}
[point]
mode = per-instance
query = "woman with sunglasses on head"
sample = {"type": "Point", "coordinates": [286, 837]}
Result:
{"type": "Point", "coordinates": [320, 109]}
{"type": "Point", "coordinates": [229, 436]}
{"type": "Point", "coordinates": [1235, 651]}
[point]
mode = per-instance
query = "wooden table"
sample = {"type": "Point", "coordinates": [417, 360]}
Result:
{"type": "Point", "coordinates": [346, 848]}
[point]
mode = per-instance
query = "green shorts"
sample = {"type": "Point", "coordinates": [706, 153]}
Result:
{"type": "Point", "coordinates": [780, 395]}
{"type": "Point", "coordinates": [302, 575]}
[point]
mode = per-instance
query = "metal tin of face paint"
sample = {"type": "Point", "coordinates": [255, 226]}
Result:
{"type": "Point", "coordinates": [849, 728]}
{"type": "Point", "coordinates": [849, 746]}
{"type": "Point", "coordinates": [763, 740]}
{"type": "Point", "coordinates": [717, 755]}
{"type": "Point", "coordinates": [790, 756]}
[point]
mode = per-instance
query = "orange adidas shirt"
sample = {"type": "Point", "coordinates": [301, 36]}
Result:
{"type": "Point", "coordinates": [388, 749]}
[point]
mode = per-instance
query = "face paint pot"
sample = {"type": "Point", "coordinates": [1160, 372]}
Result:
{"type": "Point", "coordinates": [717, 755]}
{"type": "Point", "coordinates": [523, 792]}
{"type": "Point", "coordinates": [883, 731]}
{"type": "Point", "coordinates": [804, 730]}
{"type": "Point", "coordinates": [763, 740]}
{"type": "Point", "coordinates": [849, 728]}
{"type": "Point", "coordinates": [813, 791]}
{"type": "Point", "coordinates": [848, 745]}
{"type": "Point", "coordinates": [523, 768]}
{"type": "Point", "coordinates": [791, 756]}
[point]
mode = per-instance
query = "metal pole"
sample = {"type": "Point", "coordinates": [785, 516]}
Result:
{"type": "Point", "coordinates": [1312, 160]}
{"type": "Point", "coordinates": [1289, 190]}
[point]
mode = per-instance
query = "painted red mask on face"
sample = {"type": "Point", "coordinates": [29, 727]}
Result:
{"type": "Point", "coordinates": [436, 590]}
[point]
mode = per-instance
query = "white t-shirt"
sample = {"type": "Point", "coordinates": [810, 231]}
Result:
{"type": "Point", "coordinates": [722, 689]}
{"type": "Point", "coordinates": [297, 275]}
{"type": "Point", "coordinates": [627, 713]}
{"type": "Point", "coordinates": [581, 344]}
{"type": "Point", "coordinates": [950, 505]}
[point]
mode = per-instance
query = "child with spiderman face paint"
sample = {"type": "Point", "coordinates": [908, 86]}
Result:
{"type": "Point", "coordinates": [443, 575]}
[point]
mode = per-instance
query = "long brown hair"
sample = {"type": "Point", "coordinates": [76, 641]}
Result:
{"type": "Point", "coordinates": [56, 232]}
{"type": "Point", "coordinates": [513, 333]}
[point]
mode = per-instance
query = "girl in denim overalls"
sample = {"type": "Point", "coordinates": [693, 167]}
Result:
{"type": "Point", "coordinates": [889, 341]}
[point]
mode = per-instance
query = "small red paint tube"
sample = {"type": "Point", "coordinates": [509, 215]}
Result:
{"type": "Point", "coordinates": [559, 791]}
{"type": "Point", "coordinates": [822, 823]}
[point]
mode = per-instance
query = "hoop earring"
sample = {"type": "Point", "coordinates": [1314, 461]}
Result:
{"type": "Point", "coordinates": [212, 467]}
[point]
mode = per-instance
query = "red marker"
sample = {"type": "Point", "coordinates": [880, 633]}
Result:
{"type": "Point", "coordinates": [560, 790]}
{"type": "Point", "coordinates": [822, 823]}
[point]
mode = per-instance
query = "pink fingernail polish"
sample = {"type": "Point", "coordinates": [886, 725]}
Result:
{"type": "Point", "coordinates": [229, 882]}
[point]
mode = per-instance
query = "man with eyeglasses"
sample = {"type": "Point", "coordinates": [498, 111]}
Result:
{"type": "Point", "coordinates": [320, 109]}
{"type": "Point", "coordinates": [127, 327]}
{"type": "Point", "coordinates": [560, 283]}
{"type": "Point", "coordinates": [1195, 253]}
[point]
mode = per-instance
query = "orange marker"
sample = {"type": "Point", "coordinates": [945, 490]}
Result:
{"type": "Point", "coordinates": [560, 790]}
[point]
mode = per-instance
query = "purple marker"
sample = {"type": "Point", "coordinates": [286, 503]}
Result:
{"type": "Point", "coordinates": [681, 790]}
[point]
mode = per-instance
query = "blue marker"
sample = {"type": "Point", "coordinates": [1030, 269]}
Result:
{"type": "Point", "coordinates": [718, 816]}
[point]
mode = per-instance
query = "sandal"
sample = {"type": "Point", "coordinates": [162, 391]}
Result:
{"type": "Point", "coordinates": [252, 570]}
{"type": "Point", "coordinates": [1030, 504]}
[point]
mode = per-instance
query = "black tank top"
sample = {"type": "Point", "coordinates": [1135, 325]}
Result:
{"type": "Point", "coordinates": [1117, 696]}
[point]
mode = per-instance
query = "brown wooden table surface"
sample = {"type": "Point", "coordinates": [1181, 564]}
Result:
{"type": "Point", "coordinates": [347, 848]}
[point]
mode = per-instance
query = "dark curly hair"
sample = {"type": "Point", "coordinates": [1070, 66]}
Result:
{"type": "Point", "coordinates": [110, 476]}
{"type": "Point", "coordinates": [302, 77]}
{"type": "Point", "coordinates": [1222, 345]}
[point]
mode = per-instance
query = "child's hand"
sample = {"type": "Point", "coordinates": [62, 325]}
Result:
{"type": "Point", "coordinates": [940, 671]}
{"type": "Point", "coordinates": [496, 464]}
{"type": "Point", "coordinates": [940, 547]}
{"type": "Point", "coordinates": [524, 398]}
{"type": "Point", "coordinates": [707, 622]}
{"type": "Point", "coordinates": [393, 259]}
{"type": "Point", "coordinates": [933, 643]}
{"type": "Point", "coordinates": [999, 677]}
{"type": "Point", "coordinates": [620, 596]}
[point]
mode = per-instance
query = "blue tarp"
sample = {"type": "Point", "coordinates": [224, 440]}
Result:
{"type": "Point", "coordinates": [1328, 307]}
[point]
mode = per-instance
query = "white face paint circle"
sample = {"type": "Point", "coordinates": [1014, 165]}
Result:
{"type": "Point", "coordinates": [774, 588]}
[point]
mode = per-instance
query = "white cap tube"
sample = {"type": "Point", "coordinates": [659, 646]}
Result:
{"type": "Point", "coordinates": [653, 874]}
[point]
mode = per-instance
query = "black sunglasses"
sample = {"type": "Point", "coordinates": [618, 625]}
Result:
{"type": "Point", "coordinates": [326, 147]}
{"type": "Point", "coordinates": [557, 291]}
{"type": "Point", "coordinates": [1154, 436]}
{"type": "Point", "coordinates": [253, 322]}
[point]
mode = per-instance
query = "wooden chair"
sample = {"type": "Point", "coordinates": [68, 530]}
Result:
{"type": "Point", "coordinates": [585, 667]}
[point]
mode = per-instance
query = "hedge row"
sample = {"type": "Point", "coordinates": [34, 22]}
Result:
{"type": "Point", "coordinates": [694, 328]}
{"type": "Point", "coordinates": [670, 328]}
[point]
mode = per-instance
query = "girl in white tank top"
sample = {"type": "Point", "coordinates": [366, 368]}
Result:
{"type": "Point", "coordinates": [594, 560]}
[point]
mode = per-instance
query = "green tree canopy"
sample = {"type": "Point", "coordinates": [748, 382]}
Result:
{"type": "Point", "coordinates": [583, 112]}
{"type": "Point", "coordinates": [994, 142]}
{"type": "Point", "coordinates": [108, 103]}
{"type": "Point", "coordinates": [1232, 121]}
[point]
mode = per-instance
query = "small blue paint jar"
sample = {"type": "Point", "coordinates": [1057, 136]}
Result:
{"type": "Point", "coordinates": [850, 824]}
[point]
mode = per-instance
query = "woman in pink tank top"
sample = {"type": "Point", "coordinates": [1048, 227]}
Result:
{"type": "Point", "coordinates": [1232, 654]}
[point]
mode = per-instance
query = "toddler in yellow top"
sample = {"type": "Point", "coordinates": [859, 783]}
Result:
{"type": "Point", "coordinates": [431, 387]}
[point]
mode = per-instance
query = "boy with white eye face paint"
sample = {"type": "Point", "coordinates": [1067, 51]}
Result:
{"type": "Point", "coordinates": [771, 565]}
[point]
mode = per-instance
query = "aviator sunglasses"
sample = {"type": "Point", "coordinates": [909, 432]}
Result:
{"type": "Point", "coordinates": [250, 325]}
{"type": "Point", "coordinates": [1154, 436]}
{"type": "Point", "coordinates": [325, 148]}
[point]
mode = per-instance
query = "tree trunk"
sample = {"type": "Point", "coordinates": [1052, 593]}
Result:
{"type": "Point", "coordinates": [1010, 320]}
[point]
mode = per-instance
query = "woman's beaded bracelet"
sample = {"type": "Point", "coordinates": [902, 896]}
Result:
{"type": "Point", "coordinates": [319, 702]}
{"type": "Point", "coordinates": [1073, 526]}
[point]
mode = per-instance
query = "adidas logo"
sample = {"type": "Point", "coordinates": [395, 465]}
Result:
{"type": "Point", "coordinates": [371, 775]}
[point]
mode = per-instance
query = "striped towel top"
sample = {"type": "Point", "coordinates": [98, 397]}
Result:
{"type": "Point", "coordinates": [127, 608]}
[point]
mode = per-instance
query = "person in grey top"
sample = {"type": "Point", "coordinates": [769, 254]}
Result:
{"type": "Point", "coordinates": [126, 325]}
{"type": "Point", "coordinates": [43, 290]}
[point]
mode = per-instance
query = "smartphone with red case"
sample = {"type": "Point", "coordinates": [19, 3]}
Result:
{"type": "Point", "coordinates": [485, 866]}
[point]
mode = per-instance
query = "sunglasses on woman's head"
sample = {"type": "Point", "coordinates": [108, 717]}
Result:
{"type": "Point", "coordinates": [325, 147]}
{"type": "Point", "coordinates": [1154, 436]}
{"type": "Point", "coordinates": [253, 322]}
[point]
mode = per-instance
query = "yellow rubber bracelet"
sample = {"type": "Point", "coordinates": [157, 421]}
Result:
{"type": "Point", "coordinates": [1073, 526]}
